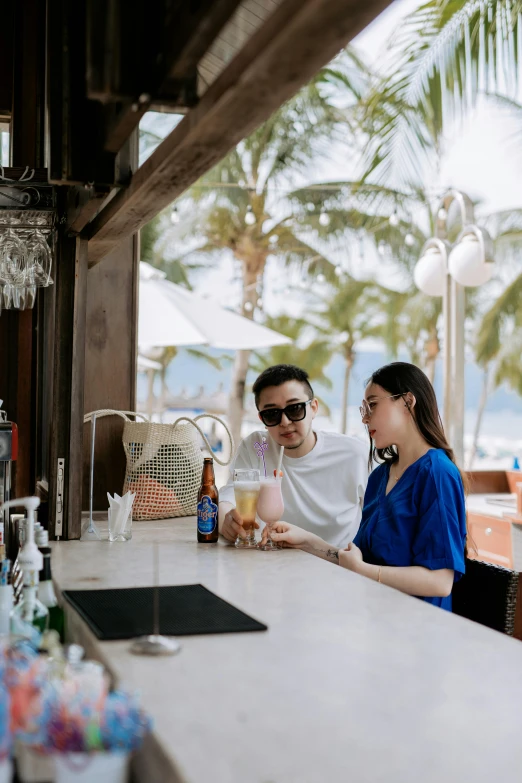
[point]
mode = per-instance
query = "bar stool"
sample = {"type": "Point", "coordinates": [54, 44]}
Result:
{"type": "Point", "coordinates": [490, 595]}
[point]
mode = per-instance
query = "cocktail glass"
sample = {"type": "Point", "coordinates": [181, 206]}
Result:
{"type": "Point", "coordinates": [270, 508]}
{"type": "Point", "coordinates": [246, 491]}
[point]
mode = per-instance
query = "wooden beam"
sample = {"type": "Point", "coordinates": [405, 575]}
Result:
{"type": "Point", "coordinates": [298, 39]}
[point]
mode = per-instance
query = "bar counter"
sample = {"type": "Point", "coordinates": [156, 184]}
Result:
{"type": "Point", "coordinates": [352, 681]}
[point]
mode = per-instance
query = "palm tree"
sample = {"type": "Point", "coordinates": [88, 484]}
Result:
{"type": "Point", "coordinates": [310, 350]}
{"type": "Point", "coordinates": [382, 217]}
{"type": "Point", "coordinates": [442, 58]}
{"type": "Point", "coordinates": [239, 207]}
{"type": "Point", "coordinates": [351, 315]}
{"type": "Point", "coordinates": [499, 348]}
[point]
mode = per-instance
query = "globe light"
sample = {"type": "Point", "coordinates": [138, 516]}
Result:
{"type": "Point", "coordinates": [321, 278]}
{"type": "Point", "coordinates": [467, 261]}
{"type": "Point", "coordinates": [409, 240]}
{"type": "Point", "coordinates": [429, 274]}
{"type": "Point", "coordinates": [248, 307]}
{"type": "Point", "coordinates": [250, 218]}
{"type": "Point", "coordinates": [394, 220]}
{"type": "Point", "coordinates": [338, 271]}
{"type": "Point", "coordinates": [324, 219]}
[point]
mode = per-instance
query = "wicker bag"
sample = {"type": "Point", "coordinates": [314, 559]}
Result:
{"type": "Point", "coordinates": [164, 466]}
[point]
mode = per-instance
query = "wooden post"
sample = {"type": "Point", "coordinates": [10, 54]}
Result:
{"type": "Point", "coordinates": [110, 365]}
{"type": "Point", "coordinates": [68, 383]}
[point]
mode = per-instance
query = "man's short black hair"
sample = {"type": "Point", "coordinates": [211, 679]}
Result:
{"type": "Point", "coordinates": [279, 374]}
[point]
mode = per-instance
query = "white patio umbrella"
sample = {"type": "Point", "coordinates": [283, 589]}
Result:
{"type": "Point", "coordinates": [171, 315]}
{"type": "Point", "coordinates": [144, 364]}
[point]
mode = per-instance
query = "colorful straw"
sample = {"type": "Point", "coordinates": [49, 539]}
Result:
{"type": "Point", "coordinates": [72, 713]}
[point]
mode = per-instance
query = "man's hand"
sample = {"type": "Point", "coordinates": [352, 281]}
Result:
{"type": "Point", "coordinates": [233, 526]}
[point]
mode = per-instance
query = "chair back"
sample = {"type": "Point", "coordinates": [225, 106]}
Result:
{"type": "Point", "coordinates": [487, 594]}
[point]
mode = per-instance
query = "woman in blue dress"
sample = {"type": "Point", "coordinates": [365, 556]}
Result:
{"type": "Point", "coordinates": [413, 529]}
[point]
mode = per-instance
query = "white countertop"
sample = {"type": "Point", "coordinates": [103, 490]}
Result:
{"type": "Point", "coordinates": [353, 681]}
{"type": "Point", "coordinates": [492, 504]}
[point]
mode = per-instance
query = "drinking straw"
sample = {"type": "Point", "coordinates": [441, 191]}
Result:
{"type": "Point", "coordinates": [260, 450]}
{"type": "Point", "coordinates": [280, 461]}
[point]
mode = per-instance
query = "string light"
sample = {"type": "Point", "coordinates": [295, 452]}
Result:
{"type": "Point", "coordinates": [250, 218]}
{"type": "Point", "coordinates": [394, 220]}
{"type": "Point", "coordinates": [324, 219]}
{"type": "Point", "coordinates": [442, 214]}
{"type": "Point", "coordinates": [409, 240]}
{"type": "Point", "coordinates": [248, 306]}
{"type": "Point", "coordinates": [321, 278]}
{"type": "Point", "coordinates": [381, 248]}
{"type": "Point", "coordinates": [174, 216]}
{"type": "Point", "coordinates": [273, 239]}
{"type": "Point", "coordinates": [338, 271]}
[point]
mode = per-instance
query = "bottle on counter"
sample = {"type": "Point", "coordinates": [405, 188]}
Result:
{"type": "Point", "coordinates": [208, 503]}
{"type": "Point", "coordinates": [16, 572]}
{"type": "Point", "coordinates": [46, 592]}
{"type": "Point", "coordinates": [30, 617]}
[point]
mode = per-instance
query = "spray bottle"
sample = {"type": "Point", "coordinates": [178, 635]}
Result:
{"type": "Point", "coordinates": [30, 617]}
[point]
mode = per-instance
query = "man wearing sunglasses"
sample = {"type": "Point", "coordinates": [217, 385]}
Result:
{"type": "Point", "coordinates": [325, 473]}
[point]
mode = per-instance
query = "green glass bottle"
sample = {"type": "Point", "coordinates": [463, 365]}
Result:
{"type": "Point", "coordinates": [46, 592]}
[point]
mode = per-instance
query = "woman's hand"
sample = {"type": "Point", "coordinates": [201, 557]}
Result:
{"type": "Point", "coordinates": [351, 558]}
{"type": "Point", "coordinates": [287, 534]}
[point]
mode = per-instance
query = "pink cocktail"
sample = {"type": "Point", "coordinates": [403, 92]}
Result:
{"type": "Point", "coordinates": [270, 507]}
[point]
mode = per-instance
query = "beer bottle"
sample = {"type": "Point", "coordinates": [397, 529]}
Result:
{"type": "Point", "coordinates": [208, 502]}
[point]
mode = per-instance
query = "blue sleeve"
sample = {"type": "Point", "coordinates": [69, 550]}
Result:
{"type": "Point", "coordinates": [441, 533]}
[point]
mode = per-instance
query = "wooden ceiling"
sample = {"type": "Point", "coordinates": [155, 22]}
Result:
{"type": "Point", "coordinates": [249, 17]}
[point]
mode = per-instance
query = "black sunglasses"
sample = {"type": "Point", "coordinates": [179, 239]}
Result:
{"type": "Point", "coordinates": [294, 412]}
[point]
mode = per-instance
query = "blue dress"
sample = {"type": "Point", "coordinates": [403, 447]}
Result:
{"type": "Point", "coordinates": [421, 521]}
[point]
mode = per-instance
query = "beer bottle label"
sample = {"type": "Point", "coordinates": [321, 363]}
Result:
{"type": "Point", "coordinates": [207, 515]}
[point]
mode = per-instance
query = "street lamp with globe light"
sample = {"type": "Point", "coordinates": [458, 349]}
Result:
{"type": "Point", "coordinates": [444, 270]}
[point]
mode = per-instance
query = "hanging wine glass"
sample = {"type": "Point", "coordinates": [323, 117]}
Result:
{"type": "Point", "coordinates": [18, 295]}
{"type": "Point", "coordinates": [7, 296]}
{"type": "Point", "coordinates": [12, 260]}
{"type": "Point", "coordinates": [30, 296]}
{"type": "Point", "coordinates": [39, 260]}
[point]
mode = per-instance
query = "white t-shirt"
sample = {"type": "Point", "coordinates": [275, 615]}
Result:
{"type": "Point", "coordinates": [322, 491]}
